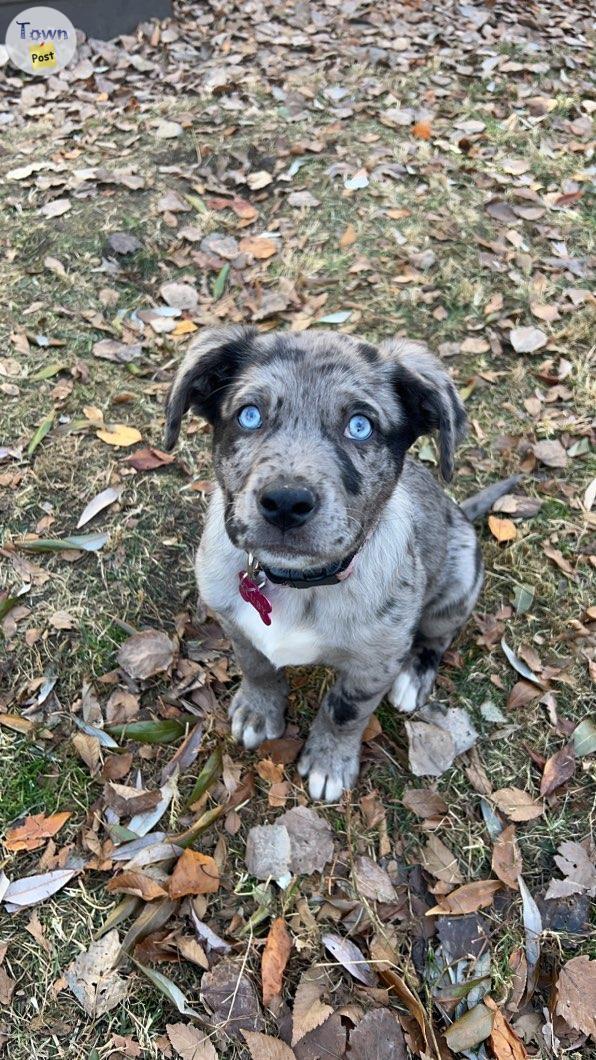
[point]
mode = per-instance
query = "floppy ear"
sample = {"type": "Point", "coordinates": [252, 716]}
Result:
{"type": "Point", "coordinates": [209, 367]}
{"type": "Point", "coordinates": [429, 397]}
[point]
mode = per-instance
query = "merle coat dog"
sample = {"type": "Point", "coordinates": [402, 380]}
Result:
{"type": "Point", "coordinates": [325, 542]}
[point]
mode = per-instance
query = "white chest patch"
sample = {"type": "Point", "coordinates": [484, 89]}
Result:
{"type": "Point", "coordinates": [283, 642]}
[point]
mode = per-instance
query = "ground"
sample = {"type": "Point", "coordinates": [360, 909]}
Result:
{"type": "Point", "coordinates": [420, 170]}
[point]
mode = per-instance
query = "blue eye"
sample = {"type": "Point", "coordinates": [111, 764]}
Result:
{"type": "Point", "coordinates": [360, 428]}
{"type": "Point", "coordinates": [250, 418]}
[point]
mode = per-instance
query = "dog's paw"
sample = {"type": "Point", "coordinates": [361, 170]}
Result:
{"type": "Point", "coordinates": [331, 768]}
{"type": "Point", "coordinates": [253, 722]}
{"type": "Point", "coordinates": [406, 691]}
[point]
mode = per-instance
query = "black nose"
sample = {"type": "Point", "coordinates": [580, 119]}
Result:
{"type": "Point", "coordinates": [287, 506]}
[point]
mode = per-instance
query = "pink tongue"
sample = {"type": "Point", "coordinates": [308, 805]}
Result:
{"type": "Point", "coordinates": [250, 592]}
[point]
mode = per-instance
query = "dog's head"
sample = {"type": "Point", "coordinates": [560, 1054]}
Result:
{"type": "Point", "coordinates": [310, 432]}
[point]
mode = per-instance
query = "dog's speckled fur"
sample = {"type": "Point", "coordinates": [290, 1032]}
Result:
{"type": "Point", "coordinates": [419, 571]}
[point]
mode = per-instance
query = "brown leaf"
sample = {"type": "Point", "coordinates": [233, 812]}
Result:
{"type": "Point", "coordinates": [422, 130]}
{"type": "Point", "coordinates": [127, 801]}
{"type": "Point", "coordinates": [309, 1011]}
{"type": "Point", "coordinates": [232, 998]}
{"type": "Point", "coordinates": [504, 1042]}
{"type": "Point", "coordinates": [145, 654]}
{"type": "Point", "coordinates": [424, 802]}
{"type": "Point", "coordinates": [551, 453]}
{"type": "Point", "coordinates": [273, 962]}
{"type": "Point", "coordinates": [517, 805]}
{"type": "Point", "coordinates": [311, 839]}
{"type": "Point", "coordinates": [348, 237]}
{"type": "Point", "coordinates": [148, 459]}
{"type": "Point", "coordinates": [7, 987]}
{"type": "Point", "coordinates": [195, 873]}
{"type": "Point", "coordinates": [440, 861]}
{"type": "Point", "coordinates": [34, 831]}
{"type": "Point", "coordinates": [378, 1036]}
{"type": "Point", "coordinates": [259, 246]}
{"type": "Point", "coordinates": [470, 1029]}
{"type": "Point", "coordinates": [467, 899]}
{"type": "Point", "coordinates": [190, 1043]}
{"type": "Point", "coordinates": [372, 881]}
{"type": "Point", "coordinates": [576, 994]}
{"type": "Point", "coordinates": [264, 1047]}
{"type": "Point", "coordinates": [506, 861]}
{"type": "Point", "coordinates": [502, 529]}
{"type": "Point", "coordinates": [522, 693]}
{"type": "Point", "coordinates": [558, 559]}
{"type": "Point", "coordinates": [559, 768]}
{"type": "Point", "coordinates": [138, 884]}
{"type": "Point", "coordinates": [350, 957]}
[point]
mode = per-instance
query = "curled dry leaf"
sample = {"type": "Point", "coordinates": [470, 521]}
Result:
{"type": "Point", "coordinates": [34, 831]}
{"type": "Point", "coordinates": [467, 899]}
{"type": "Point", "coordinates": [195, 873]}
{"type": "Point", "coordinates": [506, 860]}
{"type": "Point", "coordinates": [559, 768]}
{"type": "Point", "coordinates": [350, 958]}
{"type": "Point", "coordinates": [504, 1042]}
{"type": "Point", "coordinates": [145, 654]}
{"type": "Point", "coordinates": [97, 505]}
{"type": "Point", "coordinates": [137, 884]}
{"type": "Point", "coordinates": [275, 957]}
{"type": "Point", "coordinates": [516, 804]}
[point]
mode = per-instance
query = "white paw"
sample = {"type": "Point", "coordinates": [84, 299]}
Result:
{"type": "Point", "coordinates": [404, 694]}
{"type": "Point", "coordinates": [328, 777]}
{"type": "Point", "coordinates": [251, 724]}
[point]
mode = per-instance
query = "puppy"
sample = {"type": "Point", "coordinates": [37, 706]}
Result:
{"type": "Point", "coordinates": [325, 542]}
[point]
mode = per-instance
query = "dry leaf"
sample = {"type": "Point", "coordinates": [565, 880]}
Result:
{"type": "Point", "coordinates": [579, 869]}
{"type": "Point", "coordinates": [516, 804]}
{"type": "Point", "coordinates": [145, 654]}
{"type": "Point", "coordinates": [92, 979]}
{"type": "Point", "coordinates": [34, 831]}
{"type": "Point", "coordinates": [195, 873]}
{"type": "Point", "coordinates": [31, 890]}
{"type": "Point", "coordinates": [470, 1029]}
{"type": "Point", "coordinates": [232, 998]}
{"type": "Point", "coordinates": [179, 295]}
{"type": "Point", "coordinates": [148, 459]}
{"type": "Point", "coordinates": [576, 994]}
{"type": "Point", "coordinates": [506, 861]}
{"type": "Point", "coordinates": [350, 958]}
{"type": "Point", "coordinates": [311, 839]}
{"type": "Point", "coordinates": [273, 962]}
{"type": "Point", "coordinates": [440, 861]}
{"type": "Point", "coordinates": [372, 881]}
{"type": "Point", "coordinates": [97, 505]}
{"type": "Point", "coordinates": [550, 453]}
{"type": "Point", "coordinates": [378, 1036]}
{"type": "Point", "coordinates": [502, 529]}
{"type": "Point", "coordinates": [348, 237]}
{"type": "Point", "coordinates": [309, 1011]}
{"type": "Point", "coordinates": [424, 802]}
{"type": "Point", "coordinates": [467, 899]}
{"type": "Point", "coordinates": [422, 130]}
{"type": "Point", "coordinates": [504, 1042]}
{"type": "Point", "coordinates": [263, 1047]}
{"type": "Point", "coordinates": [259, 246]}
{"type": "Point", "coordinates": [527, 339]}
{"type": "Point", "coordinates": [138, 884]}
{"type": "Point", "coordinates": [119, 435]}
{"type": "Point", "coordinates": [559, 768]}
{"type": "Point", "coordinates": [190, 1043]}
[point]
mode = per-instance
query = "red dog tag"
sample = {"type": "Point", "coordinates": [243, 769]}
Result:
{"type": "Point", "coordinates": [249, 591]}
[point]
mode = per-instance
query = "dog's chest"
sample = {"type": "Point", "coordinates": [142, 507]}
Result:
{"type": "Point", "coordinates": [291, 639]}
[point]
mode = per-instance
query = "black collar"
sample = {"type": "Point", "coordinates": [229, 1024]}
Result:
{"type": "Point", "coordinates": [308, 579]}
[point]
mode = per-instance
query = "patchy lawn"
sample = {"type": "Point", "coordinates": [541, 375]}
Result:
{"type": "Point", "coordinates": [422, 172]}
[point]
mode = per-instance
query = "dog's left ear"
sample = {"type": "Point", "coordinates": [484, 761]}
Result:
{"type": "Point", "coordinates": [428, 396]}
{"type": "Point", "coordinates": [210, 365]}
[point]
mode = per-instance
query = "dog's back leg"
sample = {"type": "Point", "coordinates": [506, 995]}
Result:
{"type": "Point", "coordinates": [441, 620]}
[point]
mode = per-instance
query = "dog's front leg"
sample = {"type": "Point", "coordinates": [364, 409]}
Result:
{"type": "Point", "coordinates": [331, 757]}
{"type": "Point", "coordinates": [258, 707]}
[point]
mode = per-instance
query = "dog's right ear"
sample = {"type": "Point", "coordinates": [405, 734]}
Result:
{"type": "Point", "coordinates": [209, 367]}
